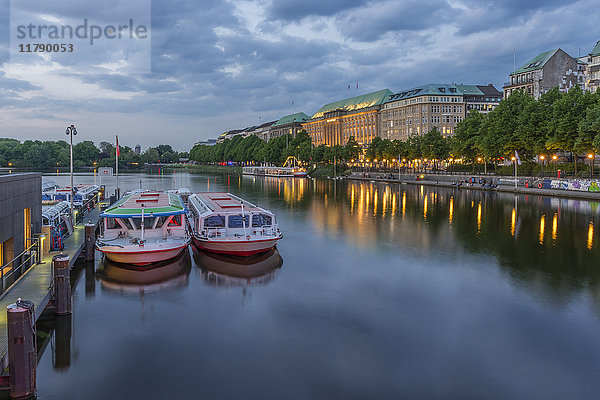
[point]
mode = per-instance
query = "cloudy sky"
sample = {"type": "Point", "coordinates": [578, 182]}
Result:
{"type": "Point", "coordinates": [219, 65]}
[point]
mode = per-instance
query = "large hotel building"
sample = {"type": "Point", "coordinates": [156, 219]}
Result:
{"type": "Point", "coordinates": [400, 115]}
{"type": "Point", "coordinates": [358, 116]}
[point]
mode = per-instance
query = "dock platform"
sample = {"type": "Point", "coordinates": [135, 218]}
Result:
{"type": "Point", "coordinates": [34, 285]}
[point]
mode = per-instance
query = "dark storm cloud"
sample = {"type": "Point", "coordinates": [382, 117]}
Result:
{"type": "Point", "coordinates": [370, 23]}
{"type": "Point", "coordinates": [291, 10]}
{"type": "Point", "coordinates": [489, 15]}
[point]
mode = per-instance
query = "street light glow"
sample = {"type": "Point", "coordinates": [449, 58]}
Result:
{"type": "Point", "coordinates": [542, 157]}
{"type": "Point", "coordinates": [554, 157]}
{"type": "Point", "coordinates": [590, 156]}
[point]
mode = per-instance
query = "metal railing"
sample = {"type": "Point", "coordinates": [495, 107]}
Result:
{"type": "Point", "coordinates": [10, 272]}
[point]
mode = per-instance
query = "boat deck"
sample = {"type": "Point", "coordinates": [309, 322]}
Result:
{"type": "Point", "coordinates": [226, 202]}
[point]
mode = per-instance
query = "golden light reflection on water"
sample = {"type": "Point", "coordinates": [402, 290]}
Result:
{"type": "Point", "coordinates": [375, 202]}
{"type": "Point", "coordinates": [403, 204]}
{"type": "Point", "coordinates": [513, 220]}
{"type": "Point", "coordinates": [404, 208]}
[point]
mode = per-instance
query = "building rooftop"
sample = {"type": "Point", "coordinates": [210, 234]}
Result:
{"type": "Point", "coordinates": [536, 63]}
{"type": "Point", "coordinates": [596, 50]}
{"type": "Point", "coordinates": [289, 119]}
{"type": "Point", "coordinates": [355, 103]}
{"type": "Point", "coordinates": [437, 89]}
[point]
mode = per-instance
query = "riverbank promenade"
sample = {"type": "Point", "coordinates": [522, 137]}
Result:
{"type": "Point", "coordinates": [462, 182]}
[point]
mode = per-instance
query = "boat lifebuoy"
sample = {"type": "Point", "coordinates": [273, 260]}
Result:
{"type": "Point", "coordinates": [248, 237]}
{"type": "Point", "coordinates": [540, 185]}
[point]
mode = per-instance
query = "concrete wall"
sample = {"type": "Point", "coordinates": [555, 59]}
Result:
{"type": "Point", "coordinates": [18, 192]}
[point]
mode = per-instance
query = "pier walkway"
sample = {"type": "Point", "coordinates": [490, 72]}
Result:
{"type": "Point", "coordinates": [34, 285]}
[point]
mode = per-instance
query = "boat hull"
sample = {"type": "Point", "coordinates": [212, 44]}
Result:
{"type": "Point", "coordinates": [235, 247]}
{"type": "Point", "coordinates": [142, 255]}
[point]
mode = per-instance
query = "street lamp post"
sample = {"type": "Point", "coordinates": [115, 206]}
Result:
{"type": "Point", "coordinates": [591, 157]}
{"type": "Point", "coordinates": [542, 158]}
{"type": "Point", "coordinates": [71, 131]}
{"type": "Point", "coordinates": [554, 157]}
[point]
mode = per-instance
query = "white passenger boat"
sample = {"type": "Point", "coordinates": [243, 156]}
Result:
{"type": "Point", "coordinates": [144, 228]}
{"type": "Point", "coordinates": [224, 223]}
{"type": "Point", "coordinates": [279, 172]}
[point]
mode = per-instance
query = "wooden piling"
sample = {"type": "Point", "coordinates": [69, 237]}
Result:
{"type": "Point", "coordinates": [90, 241]}
{"type": "Point", "coordinates": [62, 284]}
{"type": "Point", "coordinates": [22, 349]}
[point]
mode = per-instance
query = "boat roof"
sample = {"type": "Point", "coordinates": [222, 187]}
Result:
{"type": "Point", "coordinates": [156, 203]}
{"type": "Point", "coordinates": [223, 202]}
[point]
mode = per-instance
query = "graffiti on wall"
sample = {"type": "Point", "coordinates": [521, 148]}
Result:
{"type": "Point", "coordinates": [580, 185]}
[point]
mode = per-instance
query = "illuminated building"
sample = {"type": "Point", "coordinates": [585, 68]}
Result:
{"type": "Point", "coordinates": [417, 111]}
{"type": "Point", "coordinates": [358, 116]}
{"type": "Point", "coordinates": [291, 124]}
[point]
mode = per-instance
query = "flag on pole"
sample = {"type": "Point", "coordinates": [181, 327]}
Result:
{"type": "Point", "coordinates": [118, 151]}
{"type": "Point", "coordinates": [517, 158]}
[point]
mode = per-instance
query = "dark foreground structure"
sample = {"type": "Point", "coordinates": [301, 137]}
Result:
{"type": "Point", "coordinates": [20, 213]}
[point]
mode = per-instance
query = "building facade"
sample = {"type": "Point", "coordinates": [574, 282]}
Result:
{"type": "Point", "coordinates": [20, 213]}
{"type": "Point", "coordinates": [592, 69]}
{"type": "Point", "coordinates": [334, 123]}
{"type": "Point", "coordinates": [417, 111]}
{"type": "Point", "coordinates": [290, 124]}
{"type": "Point", "coordinates": [550, 69]}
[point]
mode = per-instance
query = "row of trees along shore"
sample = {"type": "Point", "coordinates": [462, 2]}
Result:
{"type": "Point", "coordinates": [48, 155]}
{"type": "Point", "coordinates": [566, 123]}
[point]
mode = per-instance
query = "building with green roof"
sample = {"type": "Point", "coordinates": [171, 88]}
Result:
{"type": "Point", "coordinates": [547, 70]}
{"type": "Point", "coordinates": [334, 123]}
{"type": "Point", "coordinates": [291, 124]}
{"type": "Point", "coordinates": [418, 110]}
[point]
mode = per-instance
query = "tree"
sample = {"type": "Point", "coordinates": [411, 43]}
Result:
{"type": "Point", "coordinates": [352, 150]}
{"type": "Point", "coordinates": [589, 129]}
{"type": "Point", "coordinates": [467, 136]}
{"type": "Point", "coordinates": [86, 153]}
{"type": "Point", "coordinates": [435, 146]}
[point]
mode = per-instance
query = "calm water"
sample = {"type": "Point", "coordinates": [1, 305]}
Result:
{"type": "Point", "coordinates": [376, 292]}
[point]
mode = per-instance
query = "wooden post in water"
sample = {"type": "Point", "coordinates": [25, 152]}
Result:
{"type": "Point", "coordinates": [22, 354]}
{"type": "Point", "coordinates": [90, 240]}
{"type": "Point", "coordinates": [62, 284]}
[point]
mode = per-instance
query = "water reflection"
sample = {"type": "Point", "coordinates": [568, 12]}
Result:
{"type": "Point", "coordinates": [407, 217]}
{"type": "Point", "coordinates": [122, 278]}
{"type": "Point", "coordinates": [228, 271]}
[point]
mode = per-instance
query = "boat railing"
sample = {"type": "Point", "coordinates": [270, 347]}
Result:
{"type": "Point", "coordinates": [213, 232]}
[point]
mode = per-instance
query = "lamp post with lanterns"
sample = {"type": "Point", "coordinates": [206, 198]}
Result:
{"type": "Point", "coordinates": [71, 131]}
{"type": "Point", "coordinates": [591, 158]}
{"type": "Point", "coordinates": [542, 158]}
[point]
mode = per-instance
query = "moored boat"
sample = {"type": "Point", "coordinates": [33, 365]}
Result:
{"type": "Point", "coordinates": [224, 223]}
{"type": "Point", "coordinates": [144, 228]}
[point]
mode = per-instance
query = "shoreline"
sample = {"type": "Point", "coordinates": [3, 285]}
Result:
{"type": "Point", "coordinates": [501, 188]}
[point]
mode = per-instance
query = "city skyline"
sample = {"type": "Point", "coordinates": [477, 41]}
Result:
{"type": "Point", "coordinates": [224, 66]}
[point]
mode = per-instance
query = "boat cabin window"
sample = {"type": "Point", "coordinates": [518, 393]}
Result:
{"type": "Point", "coordinates": [215, 221]}
{"type": "Point", "coordinates": [235, 221]}
{"type": "Point", "coordinates": [161, 222]}
{"type": "Point", "coordinates": [111, 223]}
{"type": "Point", "coordinates": [127, 223]}
{"type": "Point", "coordinates": [175, 221]}
{"type": "Point", "coordinates": [260, 220]}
